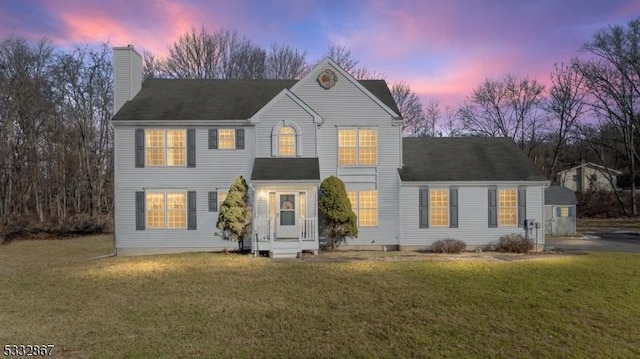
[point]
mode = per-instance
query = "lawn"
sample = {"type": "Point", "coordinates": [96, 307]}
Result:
{"type": "Point", "coordinates": [216, 305]}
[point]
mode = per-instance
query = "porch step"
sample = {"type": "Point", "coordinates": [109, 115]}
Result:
{"type": "Point", "coordinates": [284, 252]}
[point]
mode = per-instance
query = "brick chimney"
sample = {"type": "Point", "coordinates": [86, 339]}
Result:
{"type": "Point", "coordinates": [127, 75]}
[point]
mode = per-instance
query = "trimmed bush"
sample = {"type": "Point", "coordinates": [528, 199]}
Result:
{"type": "Point", "coordinates": [514, 243]}
{"type": "Point", "coordinates": [448, 245]}
{"type": "Point", "coordinates": [337, 219]}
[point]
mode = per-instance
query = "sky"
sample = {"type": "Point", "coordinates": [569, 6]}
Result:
{"type": "Point", "coordinates": [441, 48]}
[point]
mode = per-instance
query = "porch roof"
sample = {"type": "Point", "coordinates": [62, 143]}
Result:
{"type": "Point", "coordinates": [285, 169]}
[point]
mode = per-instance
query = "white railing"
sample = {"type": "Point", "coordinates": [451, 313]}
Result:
{"type": "Point", "coordinates": [264, 229]}
{"type": "Point", "coordinates": [308, 229]}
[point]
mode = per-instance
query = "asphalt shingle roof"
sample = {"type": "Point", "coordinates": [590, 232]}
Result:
{"type": "Point", "coordinates": [291, 169]}
{"type": "Point", "coordinates": [559, 195]}
{"type": "Point", "coordinates": [465, 159]}
{"type": "Point", "coordinates": [175, 100]}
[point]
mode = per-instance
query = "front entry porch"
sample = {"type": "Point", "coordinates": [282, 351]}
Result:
{"type": "Point", "coordinates": [265, 237]}
{"type": "Point", "coordinates": [285, 206]}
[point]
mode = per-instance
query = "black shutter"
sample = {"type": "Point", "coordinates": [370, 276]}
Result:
{"type": "Point", "coordinates": [423, 207]}
{"type": "Point", "coordinates": [453, 207]}
{"type": "Point", "coordinates": [493, 207]}
{"type": "Point", "coordinates": [140, 211]}
{"type": "Point", "coordinates": [139, 148]}
{"type": "Point", "coordinates": [191, 210]}
{"type": "Point", "coordinates": [240, 139]}
{"type": "Point", "coordinates": [191, 148]}
{"type": "Point", "coordinates": [213, 139]}
{"type": "Point", "coordinates": [213, 201]}
{"type": "Point", "coordinates": [522, 205]}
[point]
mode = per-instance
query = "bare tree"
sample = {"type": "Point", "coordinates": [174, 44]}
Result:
{"type": "Point", "coordinates": [285, 63]}
{"type": "Point", "coordinates": [199, 54]}
{"type": "Point", "coordinates": [342, 56]}
{"type": "Point", "coordinates": [411, 110]}
{"type": "Point", "coordinates": [506, 108]}
{"type": "Point", "coordinates": [565, 105]}
{"type": "Point", "coordinates": [26, 105]}
{"type": "Point", "coordinates": [195, 55]}
{"type": "Point", "coordinates": [151, 66]}
{"type": "Point", "coordinates": [612, 79]}
{"type": "Point", "coordinates": [85, 78]}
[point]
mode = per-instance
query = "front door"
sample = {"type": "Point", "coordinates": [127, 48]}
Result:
{"type": "Point", "coordinates": [287, 215]}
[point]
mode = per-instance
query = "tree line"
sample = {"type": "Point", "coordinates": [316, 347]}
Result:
{"type": "Point", "coordinates": [56, 139]}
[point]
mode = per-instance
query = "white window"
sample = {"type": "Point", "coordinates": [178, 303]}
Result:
{"type": "Point", "coordinates": [357, 147]}
{"type": "Point", "coordinates": [508, 207]}
{"type": "Point", "coordinates": [166, 210]}
{"type": "Point", "coordinates": [287, 141]}
{"type": "Point", "coordinates": [227, 139]}
{"type": "Point", "coordinates": [165, 148]}
{"type": "Point", "coordinates": [439, 207]}
{"type": "Point", "coordinates": [365, 206]}
{"type": "Point", "coordinates": [221, 197]}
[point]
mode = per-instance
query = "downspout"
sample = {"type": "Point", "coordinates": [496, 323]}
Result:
{"type": "Point", "coordinates": [112, 254]}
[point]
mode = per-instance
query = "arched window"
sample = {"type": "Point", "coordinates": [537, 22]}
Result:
{"type": "Point", "coordinates": [287, 141]}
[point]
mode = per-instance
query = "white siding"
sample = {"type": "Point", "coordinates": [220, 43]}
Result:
{"type": "Point", "coordinates": [127, 75]}
{"type": "Point", "coordinates": [571, 179]}
{"type": "Point", "coordinates": [285, 109]}
{"type": "Point", "coordinates": [472, 217]}
{"type": "Point", "coordinates": [215, 170]}
{"type": "Point", "coordinates": [345, 105]}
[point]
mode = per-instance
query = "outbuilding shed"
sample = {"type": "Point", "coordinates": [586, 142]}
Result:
{"type": "Point", "coordinates": [560, 210]}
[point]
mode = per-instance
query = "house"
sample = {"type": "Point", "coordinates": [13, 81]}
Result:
{"type": "Point", "coordinates": [180, 143]}
{"type": "Point", "coordinates": [589, 176]}
{"type": "Point", "coordinates": [559, 210]}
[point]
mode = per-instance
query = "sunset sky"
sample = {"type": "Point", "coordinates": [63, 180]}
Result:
{"type": "Point", "coordinates": [442, 48]}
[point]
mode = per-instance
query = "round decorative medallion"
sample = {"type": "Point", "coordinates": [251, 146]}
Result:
{"type": "Point", "coordinates": [327, 79]}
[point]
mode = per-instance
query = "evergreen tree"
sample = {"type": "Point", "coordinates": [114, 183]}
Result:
{"type": "Point", "coordinates": [235, 213]}
{"type": "Point", "coordinates": [338, 219]}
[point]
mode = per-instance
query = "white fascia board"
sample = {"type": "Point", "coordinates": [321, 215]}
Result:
{"type": "Point", "coordinates": [345, 74]}
{"type": "Point", "coordinates": [285, 92]}
{"type": "Point", "coordinates": [472, 183]}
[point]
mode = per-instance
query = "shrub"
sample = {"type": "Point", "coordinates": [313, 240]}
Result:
{"type": "Point", "coordinates": [234, 218]}
{"type": "Point", "coordinates": [448, 245]}
{"type": "Point", "coordinates": [514, 243]}
{"type": "Point", "coordinates": [337, 217]}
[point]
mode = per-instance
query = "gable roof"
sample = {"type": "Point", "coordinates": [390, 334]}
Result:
{"type": "Point", "coordinates": [559, 195]}
{"type": "Point", "coordinates": [287, 169]}
{"type": "Point", "coordinates": [465, 159]}
{"type": "Point", "coordinates": [203, 100]}
{"type": "Point", "coordinates": [389, 107]}
{"type": "Point", "coordinates": [594, 166]}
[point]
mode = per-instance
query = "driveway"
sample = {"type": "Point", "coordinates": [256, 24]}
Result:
{"type": "Point", "coordinates": [618, 241]}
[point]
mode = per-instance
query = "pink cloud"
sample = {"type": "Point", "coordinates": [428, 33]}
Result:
{"type": "Point", "coordinates": [162, 23]}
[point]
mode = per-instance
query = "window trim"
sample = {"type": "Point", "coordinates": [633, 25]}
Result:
{"type": "Point", "coordinates": [500, 207]}
{"type": "Point", "coordinates": [233, 139]}
{"type": "Point", "coordinates": [275, 139]}
{"type": "Point", "coordinates": [357, 146]}
{"type": "Point", "coordinates": [292, 137]}
{"type": "Point", "coordinates": [356, 208]}
{"type": "Point", "coordinates": [165, 197]}
{"type": "Point", "coordinates": [165, 147]}
{"type": "Point", "coordinates": [431, 207]}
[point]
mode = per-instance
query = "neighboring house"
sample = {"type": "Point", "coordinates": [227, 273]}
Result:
{"type": "Point", "coordinates": [559, 210]}
{"type": "Point", "coordinates": [588, 176]}
{"type": "Point", "coordinates": [180, 143]}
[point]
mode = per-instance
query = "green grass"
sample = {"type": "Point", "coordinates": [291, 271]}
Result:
{"type": "Point", "coordinates": [216, 305]}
